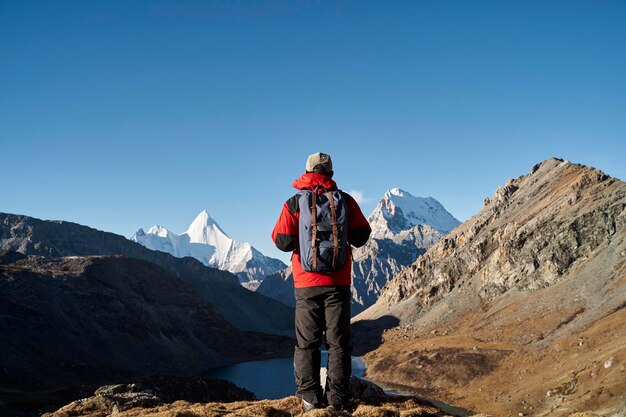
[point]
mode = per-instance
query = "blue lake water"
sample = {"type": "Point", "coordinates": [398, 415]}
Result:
{"type": "Point", "coordinates": [271, 378]}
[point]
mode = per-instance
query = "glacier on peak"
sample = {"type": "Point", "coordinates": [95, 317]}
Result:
{"type": "Point", "coordinates": [206, 230]}
{"type": "Point", "coordinates": [399, 210]}
{"type": "Point", "coordinates": [206, 241]}
{"type": "Point", "coordinates": [397, 192]}
{"type": "Point", "coordinates": [157, 230]}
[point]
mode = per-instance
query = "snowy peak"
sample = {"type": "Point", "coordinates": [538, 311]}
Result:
{"type": "Point", "coordinates": [206, 230]}
{"type": "Point", "coordinates": [397, 192]}
{"type": "Point", "coordinates": [156, 230]}
{"type": "Point", "coordinates": [399, 210]}
{"type": "Point", "coordinates": [202, 220]}
{"type": "Point", "coordinates": [206, 241]}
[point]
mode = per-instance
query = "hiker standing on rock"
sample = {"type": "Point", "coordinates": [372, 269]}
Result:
{"type": "Point", "coordinates": [319, 224]}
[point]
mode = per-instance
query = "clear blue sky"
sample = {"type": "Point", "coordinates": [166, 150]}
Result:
{"type": "Point", "coordinates": [126, 114]}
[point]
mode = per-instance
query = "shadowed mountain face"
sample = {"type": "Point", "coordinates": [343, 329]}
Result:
{"type": "Point", "coordinates": [91, 320]}
{"type": "Point", "coordinates": [242, 308]}
{"type": "Point", "coordinates": [279, 286]}
{"type": "Point", "coordinates": [525, 300]}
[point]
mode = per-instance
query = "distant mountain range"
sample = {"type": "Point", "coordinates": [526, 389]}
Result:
{"type": "Point", "coordinates": [207, 242]}
{"type": "Point", "coordinates": [403, 227]}
{"type": "Point", "coordinates": [244, 309]}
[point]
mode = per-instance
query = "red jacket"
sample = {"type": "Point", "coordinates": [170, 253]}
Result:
{"type": "Point", "coordinates": [285, 233]}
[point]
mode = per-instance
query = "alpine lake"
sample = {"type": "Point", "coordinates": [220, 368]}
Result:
{"type": "Point", "coordinates": [270, 379]}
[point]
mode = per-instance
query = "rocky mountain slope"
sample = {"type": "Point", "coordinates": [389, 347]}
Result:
{"type": "Point", "coordinates": [244, 309]}
{"type": "Point", "coordinates": [75, 321]}
{"type": "Point", "coordinates": [206, 241]}
{"type": "Point", "coordinates": [521, 308]}
{"type": "Point", "coordinates": [403, 227]}
{"type": "Point", "coordinates": [381, 259]}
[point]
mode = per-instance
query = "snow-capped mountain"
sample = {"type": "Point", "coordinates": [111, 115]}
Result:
{"type": "Point", "coordinates": [206, 241]}
{"type": "Point", "coordinates": [398, 211]}
{"type": "Point", "coordinates": [403, 227]}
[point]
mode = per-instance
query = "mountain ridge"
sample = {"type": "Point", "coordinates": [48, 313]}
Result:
{"type": "Point", "coordinates": [491, 216]}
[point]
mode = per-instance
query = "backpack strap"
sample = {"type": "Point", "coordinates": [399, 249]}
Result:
{"type": "Point", "coordinates": [333, 213]}
{"type": "Point", "coordinates": [314, 226]}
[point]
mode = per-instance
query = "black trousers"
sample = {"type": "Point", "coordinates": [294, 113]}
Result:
{"type": "Point", "coordinates": [323, 311]}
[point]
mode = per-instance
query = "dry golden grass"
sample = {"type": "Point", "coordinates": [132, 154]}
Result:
{"type": "Point", "coordinates": [286, 407]}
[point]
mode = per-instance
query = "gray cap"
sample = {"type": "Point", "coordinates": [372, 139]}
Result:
{"type": "Point", "coordinates": [319, 158]}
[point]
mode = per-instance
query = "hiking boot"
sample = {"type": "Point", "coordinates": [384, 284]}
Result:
{"type": "Point", "coordinates": [334, 408]}
{"type": "Point", "coordinates": [307, 406]}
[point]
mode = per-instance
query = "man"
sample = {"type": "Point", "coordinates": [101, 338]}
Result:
{"type": "Point", "coordinates": [319, 224]}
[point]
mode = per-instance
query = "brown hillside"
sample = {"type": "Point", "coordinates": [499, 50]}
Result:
{"type": "Point", "coordinates": [521, 308]}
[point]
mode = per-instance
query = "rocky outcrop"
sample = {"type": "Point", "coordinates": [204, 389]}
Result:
{"type": "Point", "coordinates": [153, 391]}
{"type": "Point", "coordinates": [526, 297]}
{"type": "Point", "coordinates": [148, 399]}
{"type": "Point", "coordinates": [242, 308]}
{"type": "Point", "coordinates": [138, 399]}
